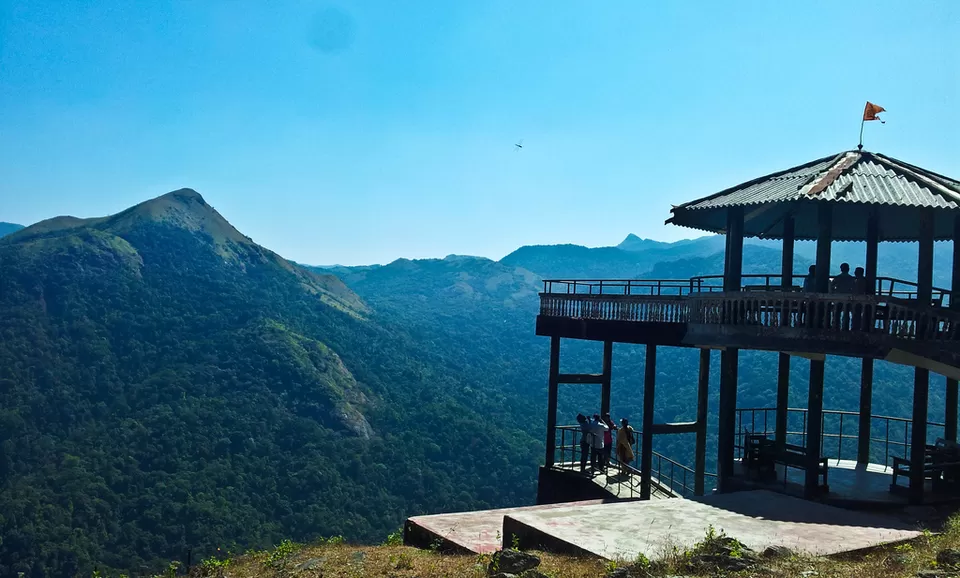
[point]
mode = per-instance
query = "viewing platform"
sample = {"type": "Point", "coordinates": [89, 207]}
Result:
{"type": "Point", "coordinates": [850, 196]}
{"type": "Point", "coordinates": [889, 323]}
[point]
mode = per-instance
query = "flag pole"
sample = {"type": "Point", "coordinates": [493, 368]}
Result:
{"type": "Point", "coordinates": [860, 144]}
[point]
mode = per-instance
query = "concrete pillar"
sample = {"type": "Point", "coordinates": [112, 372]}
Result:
{"type": "Point", "coordinates": [866, 410]}
{"type": "Point", "coordinates": [783, 399]}
{"type": "Point", "coordinates": [646, 436]}
{"type": "Point", "coordinates": [552, 388]}
{"type": "Point", "coordinates": [866, 365]}
{"type": "Point", "coordinates": [814, 428]}
{"type": "Point", "coordinates": [726, 435]}
{"type": "Point", "coordinates": [606, 375]}
{"type": "Point", "coordinates": [921, 377]}
{"type": "Point", "coordinates": [700, 456]}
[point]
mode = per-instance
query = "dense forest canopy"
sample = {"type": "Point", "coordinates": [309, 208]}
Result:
{"type": "Point", "coordinates": [166, 384]}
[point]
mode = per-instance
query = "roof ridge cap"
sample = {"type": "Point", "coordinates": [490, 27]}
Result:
{"type": "Point", "coordinates": [822, 181]}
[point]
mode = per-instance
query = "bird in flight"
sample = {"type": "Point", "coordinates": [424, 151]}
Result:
{"type": "Point", "coordinates": [519, 145]}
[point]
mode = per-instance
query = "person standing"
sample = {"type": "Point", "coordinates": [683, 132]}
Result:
{"type": "Point", "coordinates": [842, 284]}
{"type": "Point", "coordinates": [608, 439]}
{"type": "Point", "coordinates": [599, 430]}
{"type": "Point", "coordinates": [586, 434]}
{"type": "Point", "coordinates": [625, 441]}
{"type": "Point", "coordinates": [810, 281]}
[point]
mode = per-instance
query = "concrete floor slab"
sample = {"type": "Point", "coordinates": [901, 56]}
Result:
{"type": "Point", "coordinates": [757, 518]}
{"type": "Point", "coordinates": [479, 532]}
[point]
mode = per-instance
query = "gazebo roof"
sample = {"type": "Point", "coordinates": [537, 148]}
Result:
{"type": "Point", "coordinates": [858, 183]}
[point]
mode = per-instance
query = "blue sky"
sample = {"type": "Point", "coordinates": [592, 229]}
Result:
{"type": "Point", "coordinates": [359, 132]}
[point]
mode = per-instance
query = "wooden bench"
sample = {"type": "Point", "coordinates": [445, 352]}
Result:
{"type": "Point", "coordinates": [941, 465]}
{"type": "Point", "coordinates": [762, 455]}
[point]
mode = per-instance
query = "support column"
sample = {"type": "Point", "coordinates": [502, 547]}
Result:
{"type": "Point", "coordinates": [605, 377]}
{"type": "Point", "coordinates": [783, 365]}
{"type": "Point", "coordinates": [824, 238]}
{"type": "Point", "coordinates": [866, 364]}
{"type": "Point", "coordinates": [646, 436]}
{"type": "Point", "coordinates": [921, 377]}
{"type": "Point", "coordinates": [873, 245]}
{"type": "Point", "coordinates": [783, 400]}
{"type": "Point", "coordinates": [918, 432]}
{"type": "Point", "coordinates": [726, 435]}
{"type": "Point", "coordinates": [552, 401]}
{"type": "Point", "coordinates": [700, 456]}
{"type": "Point", "coordinates": [814, 429]}
{"type": "Point", "coordinates": [729, 358]}
{"type": "Point", "coordinates": [950, 415]}
{"type": "Point", "coordinates": [733, 259]}
{"type": "Point", "coordinates": [866, 410]}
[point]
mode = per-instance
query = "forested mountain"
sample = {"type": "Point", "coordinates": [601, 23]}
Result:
{"type": "Point", "coordinates": [7, 228]}
{"type": "Point", "coordinates": [166, 384]}
{"type": "Point", "coordinates": [483, 313]}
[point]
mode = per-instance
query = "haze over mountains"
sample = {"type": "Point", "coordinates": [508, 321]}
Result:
{"type": "Point", "coordinates": [167, 384]}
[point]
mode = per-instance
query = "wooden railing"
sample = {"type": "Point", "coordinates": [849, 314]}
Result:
{"type": "Point", "coordinates": [827, 313]}
{"type": "Point", "coordinates": [885, 286]}
{"type": "Point", "coordinates": [656, 309]}
{"type": "Point", "coordinates": [824, 313]}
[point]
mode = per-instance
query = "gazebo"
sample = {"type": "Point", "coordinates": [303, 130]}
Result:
{"type": "Point", "coordinates": [850, 196]}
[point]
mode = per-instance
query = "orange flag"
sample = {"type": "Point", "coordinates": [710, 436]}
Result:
{"type": "Point", "coordinates": [871, 111]}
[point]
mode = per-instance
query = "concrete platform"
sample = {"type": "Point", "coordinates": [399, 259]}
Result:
{"type": "Point", "coordinates": [757, 518]}
{"type": "Point", "coordinates": [478, 532]}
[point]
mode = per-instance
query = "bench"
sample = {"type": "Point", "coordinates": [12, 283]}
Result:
{"type": "Point", "coordinates": [941, 465]}
{"type": "Point", "coordinates": [761, 454]}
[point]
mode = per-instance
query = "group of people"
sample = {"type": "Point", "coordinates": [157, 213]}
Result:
{"type": "Point", "coordinates": [855, 284]}
{"type": "Point", "coordinates": [597, 440]}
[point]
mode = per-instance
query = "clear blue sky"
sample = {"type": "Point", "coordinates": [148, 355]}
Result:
{"type": "Point", "coordinates": [362, 131]}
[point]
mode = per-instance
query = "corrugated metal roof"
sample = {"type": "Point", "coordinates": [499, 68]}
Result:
{"type": "Point", "coordinates": [876, 180]}
{"type": "Point", "coordinates": [855, 180]}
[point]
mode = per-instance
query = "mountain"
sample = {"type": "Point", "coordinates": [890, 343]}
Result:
{"type": "Point", "coordinates": [168, 385]}
{"type": "Point", "coordinates": [7, 228]}
{"type": "Point", "coordinates": [464, 310]}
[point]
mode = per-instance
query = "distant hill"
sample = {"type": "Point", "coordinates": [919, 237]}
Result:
{"type": "Point", "coordinates": [7, 228]}
{"type": "Point", "coordinates": [168, 385]}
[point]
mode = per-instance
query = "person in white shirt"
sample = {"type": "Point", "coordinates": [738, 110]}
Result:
{"type": "Point", "coordinates": [596, 459]}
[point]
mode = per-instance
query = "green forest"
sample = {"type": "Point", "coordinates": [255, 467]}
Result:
{"type": "Point", "coordinates": [167, 385]}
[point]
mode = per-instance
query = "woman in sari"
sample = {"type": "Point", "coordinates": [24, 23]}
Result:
{"type": "Point", "coordinates": [625, 440]}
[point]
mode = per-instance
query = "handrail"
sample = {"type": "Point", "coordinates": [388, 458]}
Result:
{"type": "Point", "coordinates": [885, 286]}
{"type": "Point", "coordinates": [825, 313]}
{"type": "Point", "coordinates": [668, 475]}
{"type": "Point", "coordinates": [832, 430]}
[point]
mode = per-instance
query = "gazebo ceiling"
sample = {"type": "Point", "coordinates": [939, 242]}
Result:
{"type": "Point", "coordinates": [856, 183]}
